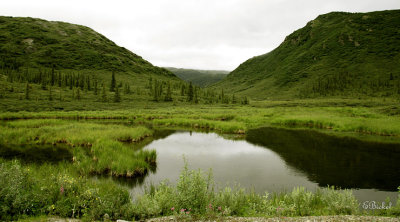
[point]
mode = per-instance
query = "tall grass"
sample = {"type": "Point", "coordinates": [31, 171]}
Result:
{"type": "Point", "coordinates": [194, 196]}
{"type": "Point", "coordinates": [378, 120]}
{"type": "Point", "coordinates": [97, 148]}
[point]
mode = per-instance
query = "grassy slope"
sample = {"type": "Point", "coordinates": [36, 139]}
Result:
{"type": "Point", "coordinates": [200, 78]}
{"type": "Point", "coordinates": [337, 54]}
{"type": "Point", "coordinates": [37, 43]}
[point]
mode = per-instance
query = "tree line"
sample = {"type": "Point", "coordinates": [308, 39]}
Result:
{"type": "Point", "coordinates": [81, 83]}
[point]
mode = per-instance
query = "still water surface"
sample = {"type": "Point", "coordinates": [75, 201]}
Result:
{"type": "Point", "coordinates": [275, 160]}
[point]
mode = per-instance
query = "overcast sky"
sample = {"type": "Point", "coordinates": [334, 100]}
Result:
{"type": "Point", "coordinates": [202, 34]}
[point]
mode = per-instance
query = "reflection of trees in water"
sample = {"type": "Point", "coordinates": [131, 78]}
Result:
{"type": "Point", "coordinates": [328, 160]}
{"type": "Point", "coordinates": [36, 153]}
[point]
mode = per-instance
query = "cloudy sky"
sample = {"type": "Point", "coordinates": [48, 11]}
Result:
{"type": "Point", "coordinates": [202, 34]}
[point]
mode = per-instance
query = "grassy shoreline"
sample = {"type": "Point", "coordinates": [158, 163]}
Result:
{"type": "Point", "coordinates": [35, 190]}
{"type": "Point", "coordinates": [96, 148]}
{"type": "Point", "coordinates": [238, 119]}
{"type": "Point", "coordinates": [68, 190]}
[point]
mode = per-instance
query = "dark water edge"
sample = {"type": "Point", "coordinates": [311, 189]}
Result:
{"type": "Point", "coordinates": [38, 153]}
{"type": "Point", "coordinates": [345, 162]}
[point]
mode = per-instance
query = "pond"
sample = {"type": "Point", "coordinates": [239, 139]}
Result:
{"type": "Point", "coordinates": [274, 160]}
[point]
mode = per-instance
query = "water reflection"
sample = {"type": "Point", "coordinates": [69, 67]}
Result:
{"type": "Point", "coordinates": [232, 161]}
{"type": "Point", "coordinates": [328, 160]}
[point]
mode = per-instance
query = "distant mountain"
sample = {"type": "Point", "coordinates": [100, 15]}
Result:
{"type": "Point", "coordinates": [338, 54]}
{"type": "Point", "coordinates": [37, 43]}
{"type": "Point", "coordinates": [200, 78]}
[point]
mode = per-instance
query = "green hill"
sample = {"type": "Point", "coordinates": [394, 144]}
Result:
{"type": "Point", "coordinates": [37, 43]}
{"type": "Point", "coordinates": [48, 65]}
{"type": "Point", "coordinates": [200, 78]}
{"type": "Point", "coordinates": [336, 55]}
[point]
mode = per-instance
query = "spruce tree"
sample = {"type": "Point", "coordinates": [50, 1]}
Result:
{"type": "Point", "coordinates": [104, 94]}
{"type": "Point", "coordinates": [233, 99]}
{"type": "Point", "coordinates": [88, 84]}
{"type": "Point", "coordinates": [196, 97]}
{"type": "Point", "coordinates": [113, 82]}
{"type": "Point", "coordinates": [59, 79]}
{"type": "Point", "coordinates": [117, 96]}
{"type": "Point", "coordinates": [190, 92]}
{"type": "Point", "coordinates": [183, 90]}
{"type": "Point", "coordinates": [50, 94]}
{"type": "Point", "coordinates": [155, 92]}
{"type": "Point", "coordinates": [168, 95]}
{"type": "Point", "coordinates": [78, 94]}
{"type": "Point", "coordinates": [27, 91]}
{"type": "Point", "coordinates": [95, 87]}
{"type": "Point", "coordinates": [52, 76]}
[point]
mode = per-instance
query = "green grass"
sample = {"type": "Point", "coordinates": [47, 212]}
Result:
{"type": "Point", "coordinates": [96, 148]}
{"type": "Point", "coordinates": [376, 121]}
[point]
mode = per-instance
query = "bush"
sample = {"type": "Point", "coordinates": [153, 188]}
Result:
{"type": "Point", "coordinates": [28, 191]}
{"type": "Point", "coordinates": [194, 195]}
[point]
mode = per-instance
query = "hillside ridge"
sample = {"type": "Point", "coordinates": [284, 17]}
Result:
{"type": "Point", "coordinates": [38, 43]}
{"type": "Point", "coordinates": [337, 54]}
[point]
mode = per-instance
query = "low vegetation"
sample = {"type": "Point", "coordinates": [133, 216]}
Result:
{"type": "Point", "coordinates": [32, 190]}
{"type": "Point", "coordinates": [379, 120]}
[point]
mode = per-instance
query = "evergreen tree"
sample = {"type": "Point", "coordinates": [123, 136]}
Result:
{"type": "Point", "coordinates": [88, 84]}
{"type": "Point", "coordinates": [156, 91]}
{"type": "Point", "coordinates": [168, 95]}
{"type": "Point", "coordinates": [190, 92]}
{"type": "Point", "coordinates": [150, 83]}
{"type": "Point", "coordinates": [127, 89]}
{"type": "Point", "coordinates": [50, 94]}
{"type": "Point", "coordinates": [245, 101]}
{"type": "Point", "coordinates": [117, 96]}
{"type": "Point", "coordinates": [95, 87]}
{"type": "Point", "coordinates": [113, 82]}
{"type": "Point", "coordinates": [196, 97]}
{"type": "Point", "coordinates": [234, 99]}
{"type": "Point", "coordinates": [104, 94]}
{"type": "Point", "coordinates": [27, 91]}
{"type": "Point", "coordinates": [183, 90]}
{"type": "Point", "coordinates": [78, 94]}
{"type": "Point", "coordinates": [59, 79]}
{"type": "Point", "coordinates": [52, 79]}
{"type": "Point", "coordinates": [44, 85]}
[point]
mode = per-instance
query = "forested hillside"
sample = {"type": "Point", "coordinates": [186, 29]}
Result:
{"type": "Point", "coordinates": [198, 77]}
